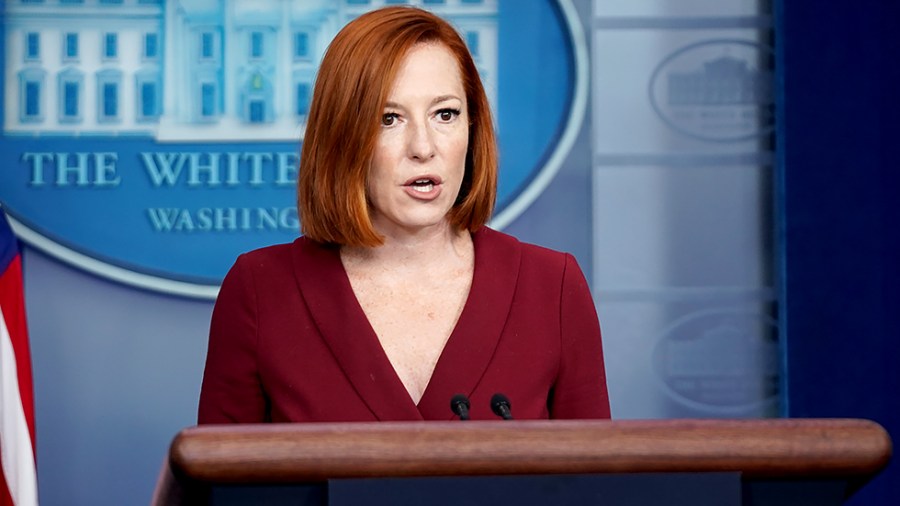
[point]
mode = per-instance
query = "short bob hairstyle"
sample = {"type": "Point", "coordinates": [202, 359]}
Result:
{"type": "Point", "coordinates": [354, 80]}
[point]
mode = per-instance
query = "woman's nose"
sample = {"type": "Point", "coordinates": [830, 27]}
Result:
{"type": "Point", "coordinates": [420, 144]}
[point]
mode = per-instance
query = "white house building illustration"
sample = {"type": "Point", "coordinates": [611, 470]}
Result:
{"type": "Point", "coordinates": [189, 70]}
{"type": "Point", "coordinates": [723, 81]}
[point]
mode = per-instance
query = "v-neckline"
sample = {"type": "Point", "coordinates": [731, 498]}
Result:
{"type": "Point", "coordinates": [346, 330]}
{"type": "Point", "coordinates": [460, 300]}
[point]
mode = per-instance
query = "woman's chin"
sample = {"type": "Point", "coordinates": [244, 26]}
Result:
{"type": "Point", "coordinates": [412, 224]}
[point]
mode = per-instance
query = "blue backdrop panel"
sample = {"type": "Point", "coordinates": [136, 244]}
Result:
{"type": "Point", "coordinates": [839, 205]}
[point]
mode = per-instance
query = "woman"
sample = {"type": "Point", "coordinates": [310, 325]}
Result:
{"type": "Point", "coordinates": [397, 297]}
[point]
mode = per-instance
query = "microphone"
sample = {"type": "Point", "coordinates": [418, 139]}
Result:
{"type": "Point", "coordinates": [500, 406]}
{"type": "Point", "coordinates": [459, 403]}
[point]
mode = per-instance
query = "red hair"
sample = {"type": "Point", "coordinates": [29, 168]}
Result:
{"type": "Point", "coordinates": [352, 86]}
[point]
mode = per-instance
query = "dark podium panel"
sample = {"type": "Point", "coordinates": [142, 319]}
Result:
{"type": "Point", "coordinates": [698, 489]}
{"type": "Point", "coordinates": [673, 489]}
{"type": "Point", "coordinates": [716, 462]}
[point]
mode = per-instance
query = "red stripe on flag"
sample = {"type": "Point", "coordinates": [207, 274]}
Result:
{"type": "Point", "coordinates": [17, 476]}
{"type": "Point", "coordinates": [5, 498]}
{"type": "Point", "coordinates": [12, 301]}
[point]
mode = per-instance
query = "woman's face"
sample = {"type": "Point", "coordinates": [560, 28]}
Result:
{"type": "Point", "coordinates": [420, 153]}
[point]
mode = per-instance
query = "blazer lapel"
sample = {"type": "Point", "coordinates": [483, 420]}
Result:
{"type": "Point", "coordinates": [346, 331]}
{"type": "Point", "coordinates": [471, 345]}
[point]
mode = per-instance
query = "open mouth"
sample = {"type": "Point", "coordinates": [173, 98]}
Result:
{"type": "Point", "coordinates": [424, 185]}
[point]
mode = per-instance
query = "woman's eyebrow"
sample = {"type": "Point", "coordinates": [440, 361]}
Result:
{"type": "Point", "coordinates": [444, 98]}
{"type": "Point", "coordinates": [436, 100]}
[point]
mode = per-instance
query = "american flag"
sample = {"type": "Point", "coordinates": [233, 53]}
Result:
{"type": "Point", "coordinates": [18, 476]}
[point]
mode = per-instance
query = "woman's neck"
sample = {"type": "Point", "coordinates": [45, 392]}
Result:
{"type": "Point", "coordinates": [410, 250]}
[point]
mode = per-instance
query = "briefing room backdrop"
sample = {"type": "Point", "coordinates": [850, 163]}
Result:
{"type": "Point", "coordinates": [146, 143]}
{"type": "Point", "coordinates": [838, 195]}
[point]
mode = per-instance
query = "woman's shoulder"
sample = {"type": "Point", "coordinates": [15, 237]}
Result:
{"type": "Point", "coordinates": [266, 255]}
{"type": "Point", "coordinates": [280, 256]}
{"type": "Point", "coordinates": [506, 246]}
{"type": "Point", "coordinates": [276, 270]}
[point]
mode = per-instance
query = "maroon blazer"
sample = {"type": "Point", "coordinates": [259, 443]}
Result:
{"type": "Point", "coordinates": [290, 343]}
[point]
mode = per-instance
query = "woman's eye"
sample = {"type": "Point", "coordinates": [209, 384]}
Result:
{"type": "Point", "coordinates": [388, 119]}
{"type": "Point", "coordinates": [447, 114]}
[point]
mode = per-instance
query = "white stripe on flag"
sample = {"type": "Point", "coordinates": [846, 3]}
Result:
{"type": "Point", "coordinates": [15, 440]}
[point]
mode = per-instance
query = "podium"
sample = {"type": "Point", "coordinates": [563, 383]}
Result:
{"type": "Point", "coordinates": [724, 462]}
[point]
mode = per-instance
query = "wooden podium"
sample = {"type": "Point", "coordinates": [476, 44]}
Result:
{"type": "Point", "coordinates": [772, 461]}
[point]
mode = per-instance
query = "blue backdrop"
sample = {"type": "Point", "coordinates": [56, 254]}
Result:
{"type": "Point", "coordinates": [840, 205]}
